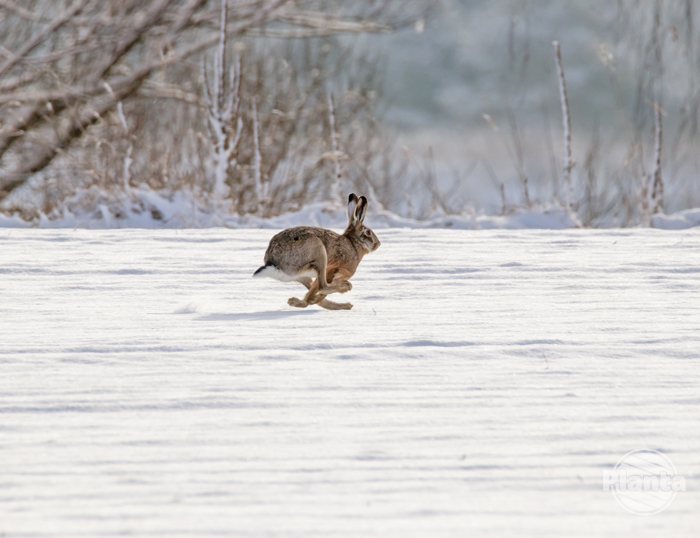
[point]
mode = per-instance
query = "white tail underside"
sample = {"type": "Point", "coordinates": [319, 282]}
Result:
{"type": "Point", "coordinates": [271, 271]}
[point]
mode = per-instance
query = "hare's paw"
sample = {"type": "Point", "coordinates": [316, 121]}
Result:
{"type": "Point", "coordinates": [344, 286]}
{"type": "Point", "coordinates": [293, 301]}
{"type": "Point", "coordinates": [330, 305]}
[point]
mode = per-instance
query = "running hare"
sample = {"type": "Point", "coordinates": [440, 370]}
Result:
{"type": "Point", "coordinates": [299, 254]}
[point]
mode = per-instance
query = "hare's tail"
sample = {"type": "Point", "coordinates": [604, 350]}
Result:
{"type": "Point", "coordinates": [265, 270]}
{"type": "Point", "coordinates": [271, 270]}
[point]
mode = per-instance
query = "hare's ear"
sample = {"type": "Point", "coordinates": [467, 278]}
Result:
{"type": "Point", "coordinates": [352, 203]}
{"type": "Point", "coordinates": [361, 210]}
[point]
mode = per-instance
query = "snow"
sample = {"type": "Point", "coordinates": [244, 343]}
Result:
{"type": "Point", "coordinates": [678, 221]}
{"type": "Point", "coordinates": [481, 385]}
{"type": "Point", "coordinates": [145, 208]}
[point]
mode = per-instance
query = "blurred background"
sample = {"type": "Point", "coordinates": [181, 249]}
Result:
{"type": "Point", "coordinates": [449, 107]}
{"type": "Point", "coordinates": [479, 85]}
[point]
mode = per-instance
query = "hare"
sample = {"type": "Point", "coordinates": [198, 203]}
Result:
{"type": "Point", "coordinates": [301, 253]}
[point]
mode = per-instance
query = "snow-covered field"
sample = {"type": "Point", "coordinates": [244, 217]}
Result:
{"type": "Point", "coordinates": [481, 386]}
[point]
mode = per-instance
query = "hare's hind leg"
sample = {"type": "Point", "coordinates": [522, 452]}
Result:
{"type": "Point", "coordinates": [318, 299]}
{"type": "Point", "coordinates": [319, 259]}
{"type": "Point", "coordinates": [330, 305]}
{"type": "Point", "coordinates": [318, 265]}
{"type": "Point", "coordinates": [305, 281]}
{"type": "Point", "coordinates": [312, 286]}
{"type": "Point", "coordinates": [321, 301]}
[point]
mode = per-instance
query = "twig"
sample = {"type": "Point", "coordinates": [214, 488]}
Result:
{"type": "Point", "coordinates": [657, 192]}
{"type": "Point", "coordinates": [260, 189]}
{"type": "Point", "coordinates": [156, 90]}
{"type": "Point", "coordinates": [222, 105]}
{"type": "Point", "coordinates": [337, 180]}
{"type": "Point", "coordinates": [36, 41]}
{"type": "Point", "coordinates": [129, 150]}
{"type": "Point", "coordinates": [310, 19]}
{"type": "Point", "coordinates": [11, 6]}
{"type": "Point", "coordinates": [568, 162]}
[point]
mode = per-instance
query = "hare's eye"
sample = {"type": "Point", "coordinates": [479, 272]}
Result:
{"type": "Point", "coordinates": [368, 233]}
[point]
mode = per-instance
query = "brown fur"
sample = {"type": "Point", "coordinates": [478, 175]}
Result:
{"type": "Point", "coordinates": [305, 250]}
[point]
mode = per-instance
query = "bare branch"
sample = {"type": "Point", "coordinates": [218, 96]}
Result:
{"type": "Point", "coordinates": [312, 19]}
{"type": "Point", "coordinates": [64, 136]}
{"type": "Point", "coordinates": [25, 14]}
{"type": "Point", "coordinates": [36, 41]}
{"type": "Point", "coordinates": [167, 91]}
{"type": "Point", "coordinates": [260, 189]}
{"type": "Point", "coordinates": [657, 191]}
{"type": "Point", "coordinates": [92, 57]}
{"type": "Point", "coordinates": [568, 162]}
{"type": "Point", "coordinates": [336, 195]}
{"type": "Point", "coordinates": [142, 26]}
{"type": "Point", "coordinates": [18, 82]}
{"type": "Point", "coordinates": [15, 128]}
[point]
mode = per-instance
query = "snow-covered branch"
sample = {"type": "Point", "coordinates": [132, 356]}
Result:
{"type": "Point", "coordinates": [336, 184]}
{"type": "Point", "coordinates": [260, 187]}
{"type": "Point", "coordinates": [566, 118]}
{"type": "Point", "coordinates": [129, 150]}
{"type": "Point", "coordinates": [223, 102]}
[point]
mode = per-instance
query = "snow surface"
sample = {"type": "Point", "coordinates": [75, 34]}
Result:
{"type": "Point", "coordinates": [480, 387]}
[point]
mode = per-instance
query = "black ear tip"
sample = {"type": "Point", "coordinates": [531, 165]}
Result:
{"type": "Point", "coordinates": [352, 198]}
{"type": "Point", "coordinates": [363, 199]}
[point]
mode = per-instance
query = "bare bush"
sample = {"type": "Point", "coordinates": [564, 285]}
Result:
{"type": "Point", "coordinates": [660, 39]}
{"type": "Point", "coordinates": [89, 85]}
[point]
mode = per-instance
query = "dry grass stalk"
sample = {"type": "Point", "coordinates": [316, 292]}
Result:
{"type": "Point", "coordinates": [566, 117]}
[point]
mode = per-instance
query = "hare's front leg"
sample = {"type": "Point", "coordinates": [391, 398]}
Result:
{"type": "Point", "coordinates": [337, 287]}
{"type": "Point", "coordinates": [337, 282]}
{"type": "Point", "coordinates": [318, 299]}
